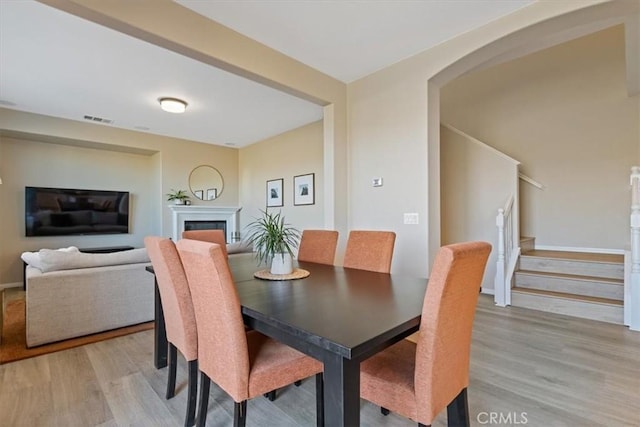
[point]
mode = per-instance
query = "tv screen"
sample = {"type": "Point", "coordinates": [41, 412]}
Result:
{"type": "Point", "coordinates": [64, 211]}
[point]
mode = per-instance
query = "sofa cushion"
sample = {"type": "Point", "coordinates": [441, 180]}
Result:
{"type": "Point", "coordinates": [33, 258]}
{"type": "Point", "coordinates": [239, 247]}
{"type": "Point", "coordinates": [52, 260]}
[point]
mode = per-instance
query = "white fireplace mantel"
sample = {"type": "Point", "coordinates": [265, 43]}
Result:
{"type": "Point", "coordinates": [182, 213]}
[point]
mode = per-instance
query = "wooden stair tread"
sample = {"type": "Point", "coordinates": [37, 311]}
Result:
{"type": "Point", "coordinates": [576, 256]}
{"type": "Point", "coordinates": [606, 281]}
{"type": "Point", "coordinates": [573, 297]}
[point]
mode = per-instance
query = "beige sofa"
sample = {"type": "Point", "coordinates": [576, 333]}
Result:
{"type": "Point", "coordinates": [73, 294]}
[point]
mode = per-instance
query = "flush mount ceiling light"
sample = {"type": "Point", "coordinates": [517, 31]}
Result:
{"type": "Point", "coordinates": [173, 105]}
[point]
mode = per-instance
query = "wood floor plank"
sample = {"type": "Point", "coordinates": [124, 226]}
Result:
{"type": "Point", "coordinates": [27, 406]}
{"type": "Point", "coordinates": [558, 370]}
{"type": "Point", "coordinates": [79, 399]}
{"type": "Point", "coordinates": [26, 373]}
{"type": "Point", "coordinates": [134, 403]}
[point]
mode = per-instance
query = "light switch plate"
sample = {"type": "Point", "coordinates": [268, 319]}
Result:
{"type": "Point", "coordinates": [411, 218]}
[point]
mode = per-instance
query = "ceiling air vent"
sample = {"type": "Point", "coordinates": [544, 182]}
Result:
{"type": "Point", "coordinates": [98, 119]}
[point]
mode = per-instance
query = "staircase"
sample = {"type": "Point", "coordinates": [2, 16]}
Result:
{"type": "Point", "coordinates": [579, 284]}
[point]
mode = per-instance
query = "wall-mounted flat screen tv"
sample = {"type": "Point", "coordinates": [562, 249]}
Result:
{"type": "Point", "coordinates": [64, 211]}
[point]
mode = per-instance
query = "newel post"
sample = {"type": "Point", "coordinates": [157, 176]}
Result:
{"type": "Point", "coordinates": [499, 296]}
{"type": "Point", "coordinates": [634, 300]}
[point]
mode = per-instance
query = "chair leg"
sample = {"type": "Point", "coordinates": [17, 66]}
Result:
{"type": "Point", "coordinates": [205, 383]}
{"type": "Point", "coordinates": [240, 414]}
{"type": "Point", "coordinates": [458, 411]}
{"type": "Point", "coordinates": [319, 400]}
{"type": "Point", "coordinates": [270, 395]}
{"type": "Point", "coordinates": [171, 380]}
{"type": "Point", "coordinates": [384, 411]}
{"type": "Point", "coordinates": [192, 395]}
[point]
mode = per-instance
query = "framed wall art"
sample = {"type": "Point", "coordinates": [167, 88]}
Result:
{"type": "Point", "coordinates": [274, 193]}
{"type": "Point", "coordinates": [304, 190]}
{"type": "Point", "coordinates": [212, 193]}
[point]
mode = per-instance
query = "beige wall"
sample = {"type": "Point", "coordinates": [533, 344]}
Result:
{"type": "Point", "coordinates": [476, 182]}
{"type": "Point", "coordinates": [297, 152]}
{"type": "Point", "coordinates": [394, 116]}
{"type": "Point", "coordinates": [43, 164]}
{"type": "Point", "coordinates": [67, 153]}
{"type": "Point", "coordinates": [565, 115]}
{"type": "Point", "coordinates": [390, 117]}
{"type": "Point", "coordinates": [164, 24]}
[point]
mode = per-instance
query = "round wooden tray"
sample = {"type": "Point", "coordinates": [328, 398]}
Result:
{"type": "Point", "coordinates": [298, 273]}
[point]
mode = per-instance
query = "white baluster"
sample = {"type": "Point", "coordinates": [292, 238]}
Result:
{"type": "Point", "coordinates": [499, 285]}
{"type": "Point", "coordinates": [634, 295]}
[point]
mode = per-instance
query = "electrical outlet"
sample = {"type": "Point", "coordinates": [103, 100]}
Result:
{"type": "Point", "coordinates": [411, 218]}
{"type": "Point", "coordinates": [377, 182]}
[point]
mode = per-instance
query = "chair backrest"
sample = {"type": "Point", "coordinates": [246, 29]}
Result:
{"type": "Point", "coordinates": [444, 338]}
{"type": "Point", "coordinates": [318, 246]}
{"type": "Point", "coordinates": [175, 295]}
{"type": "Point", "coordinates": [222, 342]}
{"type": "Point", "coordinates": [370, 250]}
{"type": "Point", "coordinates": [211, 236]}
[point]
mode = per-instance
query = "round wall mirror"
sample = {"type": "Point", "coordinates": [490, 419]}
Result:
{"type": "Point", "coordinates": [206, 182]}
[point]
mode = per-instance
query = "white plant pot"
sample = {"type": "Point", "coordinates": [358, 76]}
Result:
{"type": "Point", "coordinates": [281, 264]}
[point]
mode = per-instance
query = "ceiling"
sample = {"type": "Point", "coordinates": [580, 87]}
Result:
{"type": "Point", "coordinates": [57, 64]}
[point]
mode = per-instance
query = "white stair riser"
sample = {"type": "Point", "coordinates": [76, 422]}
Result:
{"type": "Point", "coordinates": [570, 286]}
{"type": "Point", "coordinates": [583, 309]}
{"type": "Point", "coordinates": [582, 268]}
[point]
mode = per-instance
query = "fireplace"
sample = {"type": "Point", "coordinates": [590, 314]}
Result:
{"type": "Point", "coordinates": [205, 217]}
{"type": "Point", "coordinates": [206, 225]}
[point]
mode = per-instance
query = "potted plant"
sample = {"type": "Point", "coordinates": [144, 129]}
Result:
{"type": "Point", "coordinates": [177, 196]}
{"type": "Point", "coordinates": [274, 241]}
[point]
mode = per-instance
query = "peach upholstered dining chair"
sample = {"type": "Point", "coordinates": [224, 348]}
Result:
{"type": "Point", "coordinates": [211, 236]}
{"type": "Point", "coordinates": [244, 364]}
{"type": "Point", "coordinates": [370, 250]}
{"type": "Point", "coordinates": [179, 316]}
{"type": "Point", "coordinates": [318, 246]}
{"type": "Point", "coordinates": [418, 380]}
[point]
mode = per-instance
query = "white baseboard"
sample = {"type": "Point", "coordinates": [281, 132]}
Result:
{"type": "Point", "coordinates": [574, 249]}
{"type": "Point", "coordinates": [10, 285]}
{"type": "Point", "coordinates": [488, 291]}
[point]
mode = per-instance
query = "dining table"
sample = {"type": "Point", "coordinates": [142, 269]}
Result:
{"type": "Point", "coordinates": [339, 316]}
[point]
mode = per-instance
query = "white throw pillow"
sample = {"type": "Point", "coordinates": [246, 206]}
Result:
{"type": "Point", "coordinates": [33, 258]}
{"type": "Point", "coordinates": [56, 260]}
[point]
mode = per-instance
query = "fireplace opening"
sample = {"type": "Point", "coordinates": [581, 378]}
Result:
{"type": "Point", "coordinates": [206, 225]}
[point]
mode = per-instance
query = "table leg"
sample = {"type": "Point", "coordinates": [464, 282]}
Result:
{"type": "Point", "coordinates": [458, 411]}
{"type": "Point", "coordinates": [341, 391]}
{"type": "Point", "coordinates": [160, 332]}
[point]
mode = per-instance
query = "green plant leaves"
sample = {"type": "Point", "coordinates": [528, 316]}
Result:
{"type": "Point", "coordinates": [177, 195]}
{"type": "Point", "coordinates": [270, 235]}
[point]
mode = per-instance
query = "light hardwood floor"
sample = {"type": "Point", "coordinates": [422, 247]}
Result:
{"type": "Point", "coordinates": [527, 368]}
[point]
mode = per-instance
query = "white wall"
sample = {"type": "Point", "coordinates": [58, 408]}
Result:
{"type": "Point", "coordinates": [297, 152]}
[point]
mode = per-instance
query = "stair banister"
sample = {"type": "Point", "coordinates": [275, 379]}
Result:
{"type": "Point", "coordinates": [508, 252]}
{"type": "Point", "coordinates": [632, 297]}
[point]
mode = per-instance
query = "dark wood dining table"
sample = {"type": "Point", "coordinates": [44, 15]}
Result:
{"type": "Point", "coordinates": [337, 315]}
